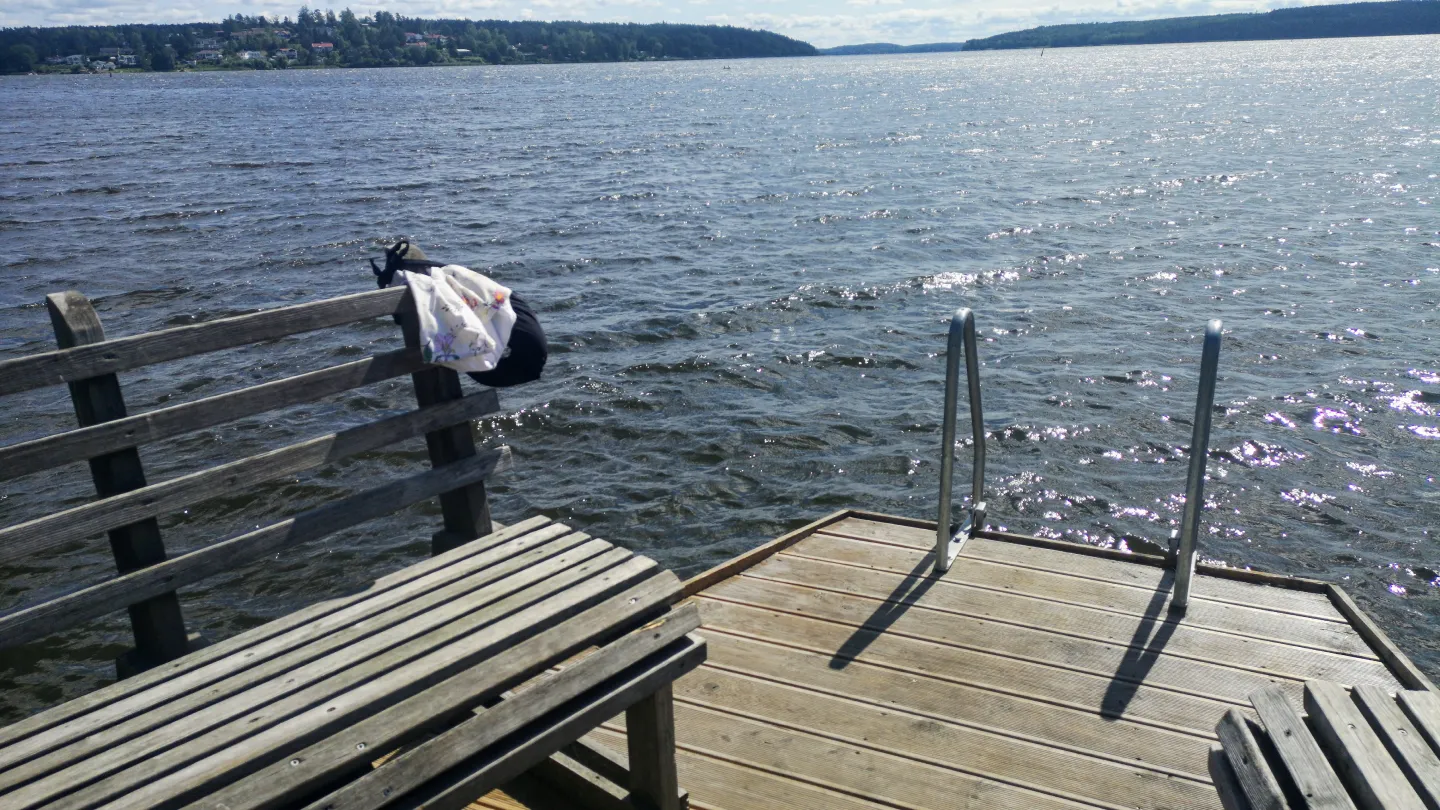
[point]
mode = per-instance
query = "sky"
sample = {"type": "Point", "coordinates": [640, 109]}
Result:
{"type": "Point", "coordinates": [823, 23]}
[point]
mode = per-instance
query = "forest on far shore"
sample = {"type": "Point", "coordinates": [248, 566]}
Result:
{"type": "Point", "coordinates": [328, 39]}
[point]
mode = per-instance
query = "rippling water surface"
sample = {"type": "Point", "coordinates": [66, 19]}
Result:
{"type": "Point", "coordinates": [746, 270]}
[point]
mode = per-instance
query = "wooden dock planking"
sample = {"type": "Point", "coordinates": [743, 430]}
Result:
{"type": "Point", "coordinates": [1063, 588]}
{"type": "Point", "coordinates": [842, 673]}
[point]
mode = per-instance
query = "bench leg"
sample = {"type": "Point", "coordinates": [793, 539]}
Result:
{"type": "Point", "coordinates": [650, 730]}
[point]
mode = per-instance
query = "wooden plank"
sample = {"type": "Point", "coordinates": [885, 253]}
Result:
{"type": "Point", "coordinates": [35, 621]}
{"type": "Point", "coordinates": [1248, 764]}
{"type": "Point", "coordinates": [1405, 742]}
{"type": "Point", "coordinates": [1375, 781]}
{"type": "Point", "coordinates": [1409, 674]}
{"type": "Point", "coordinates": [456, 627]}
{"type": "Point", "coordinates": [751, 558]}
{"type": "Point", "coordinates": [202, 666]}
{"type": "Point", "coordinates": [1074, 559]}
{"type": "Point", "coordinates": [1423, 709]}
{"type": "Point", "coordinates": [988, 756]}
{"type": "Point", "coordinates": [650, 734]}
{"type": "Point", "coordinates": [479, 735]}
{"type": "Point", "coordinates": [904, 651]}
{"type": "Point", "coordinates": [1061, 588]}
{"type": "Point", "coordinates": [581, 786]}
{"type": "Point", "coordinates": [194, 691]}
{"type": "Point", "coordinates": [121, 354]}
{"type": "Point", "coordinates": [1297, 748]}
{"type": "Point", "coordinates": [592, 761]}
{"type": "Point", "coordinates": [1213, 588]}
{"type": "Point", "coordinates": [884, 532]}
{"type": "Point", "coordinates": [284, 782]}
{"type": "Point", "coordinates": [1081, 672]}
{"type": "Point", "coordinates": [902, 531]}
{"type": "Point", "coordinates": [162, 423]}
{"type": "Point", "coordinates": [539, 741]}
{"type": "Point", "coordinates": [1232, 796]}
{"type": "Point", "coordinates": [736, 764]}
{"type": "Point", "coordinates": [933, 693]}
{"type": "Point", "coordinates": [157, 623]}
{"type": "Point", "coordinates": [1180, 640]}
{"type": "Point", "coordinates": [28, 623]}
{"type": "Point", "coordinates": [119, 510]}
{"type": "Point", "coordinates": [466, 510]}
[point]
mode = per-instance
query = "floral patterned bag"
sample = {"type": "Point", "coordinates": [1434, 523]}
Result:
{"type": "Point", "coordinates": [465, 317]}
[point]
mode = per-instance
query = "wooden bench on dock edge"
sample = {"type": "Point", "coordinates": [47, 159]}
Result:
{"type": "Point", "coordinates": [438, 683]}
{"type": "Point", "coordinates": [1357, 747]}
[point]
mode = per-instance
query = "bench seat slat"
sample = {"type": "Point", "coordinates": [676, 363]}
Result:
{"type": "Point", "coordinates": [1423, 709]}
{"type": "Point", "coordinates": [28, 623]}
{"type": "Point", "coordinates": [120, 510]}
{"type": "Point", "coordinates": [1248, 763]}
{"type": "Point", "coordinates": [284, 784]}
{"type": "Point", "coordinates": [1376, 782]}
{"type": "Point", "coordinates": [1404, 741]}
{"type": "Point", "coordinates": [472, 777]}
{"type": "Point", "coordinates": [121, 354]}
{"type": "Point", "coordinates": [1302, 755]}
{"type": "Point", "coordinates": [163, 423]}
{"type": "Point", "coordinates": [199, 665]}
{"type": "Point", "coordinates": [292, 682]}
{"type": "Point", "coordinates": [285, 653]}
{"type": "Point", "coordinates": [372, 693]}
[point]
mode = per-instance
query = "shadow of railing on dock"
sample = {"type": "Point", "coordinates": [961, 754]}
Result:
{"type": "Point", "coordinates": [1143, 651]}
{"type": "Point", "coordinates": [915, 584]}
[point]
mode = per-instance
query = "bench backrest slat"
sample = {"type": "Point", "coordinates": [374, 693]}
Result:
{"type": "Point", "coordinates": [177, 493]}
{"type": "Point", "coordinates": [122, 354]}
{"type": "Point", "coordinates": [28, 624]}
{"type": "Point", "coordinates": [128, 509]}
{"type": "Point", "coordinates": [84, 443]}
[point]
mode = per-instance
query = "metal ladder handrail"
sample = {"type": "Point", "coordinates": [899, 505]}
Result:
{"type": "Point", "coordinates": [1184, 544]}
{"type": "Point", "coordinates": [947, 545]}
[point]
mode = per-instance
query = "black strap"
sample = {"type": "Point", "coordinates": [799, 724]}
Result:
{"type": "Point", "coordinates": [395, 261]}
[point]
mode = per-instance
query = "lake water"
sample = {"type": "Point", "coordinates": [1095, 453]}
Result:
{"type": "Point", "coordinates": [746, 270]}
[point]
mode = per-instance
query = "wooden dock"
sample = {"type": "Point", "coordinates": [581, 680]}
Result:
{"type": "Point", "coordinates": [1032, 675]}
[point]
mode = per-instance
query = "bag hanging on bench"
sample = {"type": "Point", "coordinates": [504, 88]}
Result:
{"type": "Point", "coordinates": [468, 322]}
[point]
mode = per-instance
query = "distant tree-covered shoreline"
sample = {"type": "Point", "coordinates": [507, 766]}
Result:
{"type": "Point", "coordinates": [328, 39]}
{"type": "Point", "coordinates": [1398, 17]}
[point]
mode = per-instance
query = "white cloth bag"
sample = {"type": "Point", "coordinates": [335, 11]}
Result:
{"type": "Point", "coordinates": [465, 317]}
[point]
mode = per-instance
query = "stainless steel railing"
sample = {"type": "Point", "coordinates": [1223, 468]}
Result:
{"type": "Point", "coordinates": [948, 544]}
{"type": "Point", "coordinates": [1183, 540]}
{"type": "Point", "coordinates": [948, 540]}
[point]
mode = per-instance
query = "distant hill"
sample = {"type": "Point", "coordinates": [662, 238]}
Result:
{"type": "Point", "coordinates": [886, 47]}
{"type": "Point", "coordinates": [1314, 22]}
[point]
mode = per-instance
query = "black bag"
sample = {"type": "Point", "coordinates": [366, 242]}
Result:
{"type": "Point", "coordinates": [525, 353]}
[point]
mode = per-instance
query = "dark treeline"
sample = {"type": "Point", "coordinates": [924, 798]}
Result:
{"type": "Point", "coordinates": [1348, 20]}
{"type": "Point", "coordinates": [316, 38]}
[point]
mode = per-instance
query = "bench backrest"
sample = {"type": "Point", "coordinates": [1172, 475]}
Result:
{"type": "Point", "coordinates": [128, 506]}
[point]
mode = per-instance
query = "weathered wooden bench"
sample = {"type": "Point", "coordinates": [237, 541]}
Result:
{"type": "Point", "coordinates": [436, 684]}
{"type": "Point", "coordinates": [1359, 747]}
